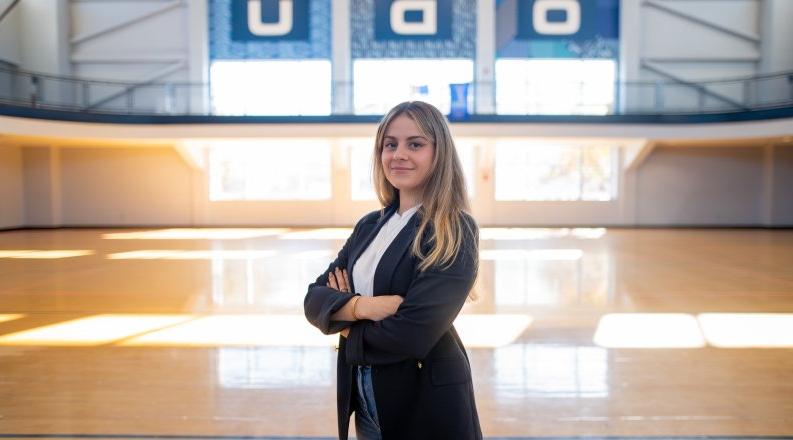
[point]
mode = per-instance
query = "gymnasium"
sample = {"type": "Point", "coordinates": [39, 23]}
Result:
{"type": "Point", "coordinates": [175, 173]}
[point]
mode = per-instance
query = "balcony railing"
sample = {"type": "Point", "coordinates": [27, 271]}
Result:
{"type": "Point", "coordinates": [662, 97]}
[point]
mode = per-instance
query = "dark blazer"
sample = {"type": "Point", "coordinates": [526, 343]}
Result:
{"type": "Point", "coordinates": [421, 373]}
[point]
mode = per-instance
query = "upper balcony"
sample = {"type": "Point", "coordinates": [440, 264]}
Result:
{"type": "Point", "coordinates": [671, 100]}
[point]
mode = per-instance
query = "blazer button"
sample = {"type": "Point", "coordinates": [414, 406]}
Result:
{"type": "Point", "coordinates": [336, 347]}
{"type": "Point", "coordinates": [419, 365]}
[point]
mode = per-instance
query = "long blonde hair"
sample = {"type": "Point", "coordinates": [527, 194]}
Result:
{"type": "Point", "coordinates": [444, 198]}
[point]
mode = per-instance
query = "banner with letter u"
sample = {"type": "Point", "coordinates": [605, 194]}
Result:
{"type": "Point", "coordinates": [269, 29]}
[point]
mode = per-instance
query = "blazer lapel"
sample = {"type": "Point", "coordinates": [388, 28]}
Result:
{"type": "Point", "coordinates": [393, 254]}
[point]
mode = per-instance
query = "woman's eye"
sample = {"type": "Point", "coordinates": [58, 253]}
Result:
{"type": "Point", "coordinates": [415, 145]}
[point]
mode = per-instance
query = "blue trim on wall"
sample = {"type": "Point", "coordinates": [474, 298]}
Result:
{"type": "Point", "coordinates": [109, 118]}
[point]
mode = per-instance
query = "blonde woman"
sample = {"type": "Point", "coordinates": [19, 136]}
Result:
{"type": "Point", "coordinates": [396, 287]}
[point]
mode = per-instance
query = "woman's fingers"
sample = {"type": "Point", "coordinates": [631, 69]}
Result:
{"type": "Point", "coordinates": [341, 276]}
{"type": "Point", "coordinates": [332, 281]}
{"type": "Point", "coordinates": [340, 279]}
{"type": "Point", "coordinates": [346, 279]}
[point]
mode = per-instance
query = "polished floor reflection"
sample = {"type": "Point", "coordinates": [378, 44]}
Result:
{"type": "Point", "coordinates": [574, 332]}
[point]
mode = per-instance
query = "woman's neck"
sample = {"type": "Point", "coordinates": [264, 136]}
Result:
{"type": "Point", "coordinates": [407, 202]}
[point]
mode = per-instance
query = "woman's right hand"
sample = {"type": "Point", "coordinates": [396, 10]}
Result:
{"type": "Point", "coordinates": [377, 308]}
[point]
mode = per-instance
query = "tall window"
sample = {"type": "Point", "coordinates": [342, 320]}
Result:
{"type": "Point", "coordinates": [530, 171]}
{"type": "Point", "coordinates": [567, 87]}
{"type": "Point", "coordinates": [288, 169]}
{"type": "Point", "coordinates": [281, 87]}
{"type": "Point", "coordinates": [380, 84]}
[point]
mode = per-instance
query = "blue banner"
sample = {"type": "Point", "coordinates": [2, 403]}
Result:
{"type": "Point", "coordinates": [413, 28]}
{"type": "Point", "coordinates": [557, 28]}
{"type": "Point", "coordinates": [253, 20]}
{"type": "Point", "coordinates": [413, 20]}
{"type": "Point", "coordinates": [269, 29]}
{"type": "Point", "coordinates": [579, 20]}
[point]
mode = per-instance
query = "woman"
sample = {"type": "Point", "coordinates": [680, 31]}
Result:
{"type": "Point", "coordinates": [401, 365]}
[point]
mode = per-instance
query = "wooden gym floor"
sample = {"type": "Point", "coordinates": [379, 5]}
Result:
{"type": "Point", "coordinates": [199, 333]}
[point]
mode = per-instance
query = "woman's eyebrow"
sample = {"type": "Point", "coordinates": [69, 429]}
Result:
{"type": "Point", "coordinates": [408, 138]}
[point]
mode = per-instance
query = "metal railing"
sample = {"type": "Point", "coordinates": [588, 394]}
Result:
{"type": "Point", "coordinates": [668, 96]}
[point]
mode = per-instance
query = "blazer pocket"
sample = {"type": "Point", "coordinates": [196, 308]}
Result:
{"type": "Point", "coordinates": [448, 372]}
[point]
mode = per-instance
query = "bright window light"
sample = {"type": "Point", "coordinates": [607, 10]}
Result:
{"type": "Point", "coordinates": [214, 254]}
{"type": "Point", "coordinates": [381, 84]}
{"type": "Point", "coordinates": [229, 330]}
{"type": "Point", "coordinates": [279, 87]}
{"type": "Point", "coordinates": [196, 234]}
{"type": "Point", "coordinates": [540, 233]}
{"type": "Point", "coordinates": [528, 171]}
{"type": "Point", "coordinates": [92, 330]}
{"type": "Point", "coordinates": [566, 87]}
{"type": "Point", "coordinates": [491, 330]}
{"type": "Point", "coordinates": [361, 157]}
{"type": "Point", "coordinates": [648, 330]}
{"type": "Point", "coordinates": [272, 169]}
{"type": "Point", "coordinates": [10, 317]}
{"type": "Point", "coordinates": [748, 330]}
{"type": "Point", "coordinates": [318, 234]}
{"type": "Point", "coordinates": [31, 254]}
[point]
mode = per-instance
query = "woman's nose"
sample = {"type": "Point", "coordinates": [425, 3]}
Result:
{"type": "Point", "coordinates": [399, 153]}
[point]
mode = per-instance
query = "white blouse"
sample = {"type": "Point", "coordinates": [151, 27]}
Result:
{"type": "Point", "coordinates": [365, 265]}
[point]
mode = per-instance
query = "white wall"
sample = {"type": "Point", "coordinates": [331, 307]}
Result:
{"type": "Point", "coordinates": [41, 186]}
{"type": "Point", "coordinates": [121, 186]}
{"type": "Point", "coordinates": [108, 186]}
{"type": "Point", "coordinates": [9, 31]}
{"type": "Point", "coordinates": [701, 186]}
{"type": "Point", "coordinates": [777, 36]}
{"type": "Point", "coordinates": [665, 39]}
{"type": "Point", "coordinates": [139, 42]}
{"type": "Point", "coordinates": [44, 36]}
{"type": "Point", "coordinates": [11, 201]}
{"type": "Point", "coordinates": [781, 203]}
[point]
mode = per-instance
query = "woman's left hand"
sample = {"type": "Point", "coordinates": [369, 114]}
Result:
{"type": "Point", "coordinates": [338, 279]}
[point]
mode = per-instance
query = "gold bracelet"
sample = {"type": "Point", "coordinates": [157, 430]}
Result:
{"type": "Point", "coordinates": [355, 303]}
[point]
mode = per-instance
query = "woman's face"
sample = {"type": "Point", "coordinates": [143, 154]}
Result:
{"type": "Point", "coordinates": [407, 155]}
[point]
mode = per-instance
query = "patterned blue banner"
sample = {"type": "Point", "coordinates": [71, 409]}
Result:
{"type": "Point", "coordinates": [413, 20]}
{"type": "Point", "coordinates": [269, 20]}
{"type": "Point", "coordinates": [557, 28]}
{"type": "Point", "coordinates": [269, 29]}
{"type": "Point", "coordinates": [413, 29]}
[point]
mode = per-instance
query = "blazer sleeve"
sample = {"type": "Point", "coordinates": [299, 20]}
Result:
{"type": "Point", "coordinates": [321, 301]}
{"type": "Point", "coordinates": [432, 302]}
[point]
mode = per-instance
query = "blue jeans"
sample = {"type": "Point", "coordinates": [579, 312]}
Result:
{"type": "Point", "coordinates": [367, 426]}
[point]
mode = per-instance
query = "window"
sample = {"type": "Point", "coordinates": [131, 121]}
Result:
{"type": "Point", "coordinates": [528, 171]}
{"type": "Point", "coordinates": [381, 84]}
{"type": "Point", "coordinates": [271, 87]}
{"type": "Point", "coordinates": [288, 169]}
{"type": "Point", "coordinates": [567, 87]}
{"type": "Point", "coordinates": [361, 155]}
